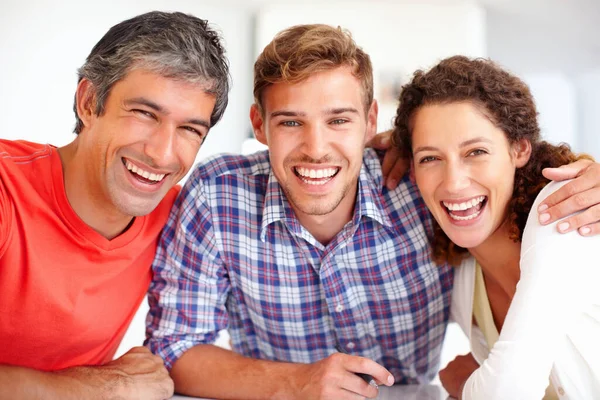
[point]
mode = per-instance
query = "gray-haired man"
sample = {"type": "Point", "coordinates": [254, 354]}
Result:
{"type": "Point", "coordinates": [79, 224]}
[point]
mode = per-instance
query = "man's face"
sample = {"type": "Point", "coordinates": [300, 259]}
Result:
{"type": "Point", "coordinates": [316, 131]}
{"type": "Point", "coordinates": [145, 141]}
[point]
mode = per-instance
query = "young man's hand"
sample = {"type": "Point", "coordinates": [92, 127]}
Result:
{"type": "Point", "coordinates": [394, 166]}
{"type": "Point", "coordinates": [583, 193]}
{"type": "Point", "coordinates": [335, 378]}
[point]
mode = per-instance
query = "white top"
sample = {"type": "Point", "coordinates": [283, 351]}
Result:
{"type": "Point", "coordinates": [553, 325]}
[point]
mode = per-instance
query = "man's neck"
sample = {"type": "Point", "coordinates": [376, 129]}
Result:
{"type": "Point", "coordinates": [325, 227]}
{"type": "Point", "coordinates": [85, 198]}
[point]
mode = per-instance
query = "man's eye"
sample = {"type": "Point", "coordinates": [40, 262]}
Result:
{"type": "Point", "coordinates": [144, 113]}
{"type": "Point", "coordinates": [339, 121]}
{"type": "Point", "coordinates": [195, 131]}
{"type": "Point", "coordinates": [290, 123]}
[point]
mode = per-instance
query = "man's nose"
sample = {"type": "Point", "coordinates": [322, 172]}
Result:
{"type": "Point", "coordinates": [160, 146]}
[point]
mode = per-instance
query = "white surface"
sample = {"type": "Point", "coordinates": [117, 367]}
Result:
{"type": "Point", "coordinates": [588, 87]}
{"type": "Point", "coordinates": [408, 392]}
{"type": "Point", "coordinates": [555, 98]}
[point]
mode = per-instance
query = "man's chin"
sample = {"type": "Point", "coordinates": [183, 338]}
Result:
{"type": "Point", "coordinates": [138, 207]}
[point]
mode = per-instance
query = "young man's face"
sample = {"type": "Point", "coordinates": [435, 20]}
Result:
{"type": "Point", "coordinates": [145, 141]}
{"type": "Point", "coordinates": [316, 132]}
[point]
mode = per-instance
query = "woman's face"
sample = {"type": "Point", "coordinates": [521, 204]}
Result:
{"type": "Point", "coordinates": [464, 167]}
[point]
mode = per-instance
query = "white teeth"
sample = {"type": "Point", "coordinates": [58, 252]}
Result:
{"type": "Point", "coordinates": [464, 206]}
{"type": "Point", "coordinates": [146, 174]}
{"type": "Point", "coordinates": [316, 173]}
{"type": "Point", "coordinates": [468, 217]}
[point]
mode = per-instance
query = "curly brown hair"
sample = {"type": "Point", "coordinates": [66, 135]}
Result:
{"type": "Point", "coordinates": [507, 102]}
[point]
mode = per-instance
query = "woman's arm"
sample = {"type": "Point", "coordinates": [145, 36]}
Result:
{"type": "Point", "coordinates": [554, 285]}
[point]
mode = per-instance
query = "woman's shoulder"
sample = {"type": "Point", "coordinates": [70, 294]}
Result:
{"type": "Point", "coordinates": [543, 248]}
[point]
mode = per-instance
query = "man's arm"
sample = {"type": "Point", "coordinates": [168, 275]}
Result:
{"type": "Point", "coordinates": [582, 193]}
{"type": "Point", "coordinates": [210, 371]}
{"type": "Point", "coordinates": [137, 375]}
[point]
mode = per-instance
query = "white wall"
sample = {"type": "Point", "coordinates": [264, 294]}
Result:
{"type": "Point", "coordinates": [556, 100]}
{"type": "Point", "coordinates": [588, 89]}
{"type": "Point", "coordinates": [400, 36]}
{"type": "Point", "coordinates": [42, 43]}
{"type": "Point", "coordinates": [556, 62]}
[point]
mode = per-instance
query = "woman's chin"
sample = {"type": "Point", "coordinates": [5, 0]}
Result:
{"type": "Point", "coordinates": [466, 241]}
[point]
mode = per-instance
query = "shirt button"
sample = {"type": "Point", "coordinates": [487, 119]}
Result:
{"type": "Point", "coordinates": [561, 391]}
{"type": "Point", "coordinates": [339, 308]}
{"type": "Point", "coordinates": [350, 345]}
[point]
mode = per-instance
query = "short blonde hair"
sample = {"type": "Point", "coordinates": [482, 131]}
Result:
{"type": "Point", "coordinates": [303, 50]}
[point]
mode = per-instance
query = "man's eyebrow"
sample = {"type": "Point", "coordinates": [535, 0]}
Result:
{"type": "Point", "coordinates": [145, 102]}
{"type": "Point", "coordinates": [341, 110]}
{"type": "Point", "coordinates": [287, 113]}
{"type": "Point", "coordinates": [160, 109]}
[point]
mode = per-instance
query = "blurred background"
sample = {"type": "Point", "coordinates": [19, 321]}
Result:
{"type": "Point", "coordinates": [554, 45]}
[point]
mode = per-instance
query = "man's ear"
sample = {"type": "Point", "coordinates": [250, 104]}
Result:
{"type": "Point", "coordinates": [85, 98]}
{"type": "Point", "coordinates": [521, 152]}
{"type": "Point", "coordinates": [372, 121]}
{"type": "Point", "coordinates": [256, 119]}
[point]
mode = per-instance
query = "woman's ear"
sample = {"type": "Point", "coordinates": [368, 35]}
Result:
{"type": "Point", "coordinates": [521, 152]}
{"type": "Point", "coordinates": [256, 119]}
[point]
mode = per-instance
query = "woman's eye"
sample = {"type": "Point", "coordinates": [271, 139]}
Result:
{"type": "Point", "coordinates": [477, 152]}
{"type": "Point", "coordinates": [427, 159]}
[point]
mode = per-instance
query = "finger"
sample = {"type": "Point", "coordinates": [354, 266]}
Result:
{"type": "Point", "coordinates": [395, 176]}
{"type": "Point", "coordinates": [366, 366]}
{"type": "Point", "coordinates": [590, 229]}
{"type": "Point", "coordinates": [575, 196]}
{"type": "Point", "coordinates": [358, 386]}
{"type": "Point", "coordinates": [389, 160]}
{"type": "Point", "coordinates": [584, 222]}
{"type": "Point", "coordinates": [381, 141]}
{"type": "Point", "coordinates": [568, 171]}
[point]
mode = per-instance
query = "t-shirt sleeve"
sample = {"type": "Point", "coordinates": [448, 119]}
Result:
{"type": "Point", "coordinates": [190, 285]}
{"type": "Point", "coordinates": [5, 203]}
{"type": "Point", "coordinates": [557, 279]}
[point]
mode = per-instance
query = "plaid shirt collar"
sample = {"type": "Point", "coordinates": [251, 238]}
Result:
{"type": "Point", "coordinates": [278, 208]}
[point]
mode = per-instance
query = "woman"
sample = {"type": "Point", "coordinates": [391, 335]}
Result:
{"type": "Point", "coordinates": [522, 289]}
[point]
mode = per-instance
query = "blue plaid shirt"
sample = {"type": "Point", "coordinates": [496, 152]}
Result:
{"type": "Point", "coordinates": [234, 256]}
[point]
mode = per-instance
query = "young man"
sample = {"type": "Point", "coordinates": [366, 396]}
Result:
{"type": "Point", "coordinates": [298, 251]}
{"type": "Point", "coordinates": [79, 224]}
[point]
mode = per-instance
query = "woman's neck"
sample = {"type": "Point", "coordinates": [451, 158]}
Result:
{"type": "Point", "coordinates": [499, 258]}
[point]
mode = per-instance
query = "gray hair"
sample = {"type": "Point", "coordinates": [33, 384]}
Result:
{"type": "Point", "coordinates": [173, 45]}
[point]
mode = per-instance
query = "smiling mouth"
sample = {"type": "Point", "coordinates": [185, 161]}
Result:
{"type": "Point", "coordinates": [314, 176]}
{"type": "Point", "coordinates": [142, 175]}
{"type": "Point", "coordinates": [467, 210]}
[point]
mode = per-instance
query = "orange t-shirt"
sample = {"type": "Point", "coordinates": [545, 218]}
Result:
{"type": "Point", "coordinates": [67, 294]}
